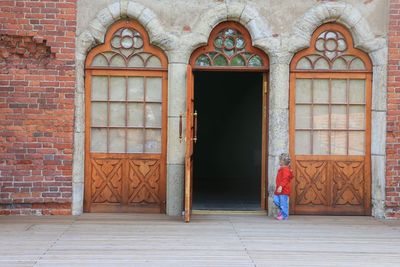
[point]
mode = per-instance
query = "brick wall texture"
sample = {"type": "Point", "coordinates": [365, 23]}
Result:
{"type": "Point", "coordinates": [393, 115]}
{"type": "Point", "coordinates": [37, 85]}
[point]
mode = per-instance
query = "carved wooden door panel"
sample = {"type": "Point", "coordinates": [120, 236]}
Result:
{"type": "Point", "coordinates": [125, 147]}
{"type": "Point", "coordinates": [330, 103]}
{"type": "Point", "coordinates": [191, 121]}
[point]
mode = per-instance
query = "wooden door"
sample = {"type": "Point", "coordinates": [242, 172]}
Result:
{"type": "Point", "coordinates": [191, 124]}
{"type": "Point", "coordinates": [330, 118]}
{"type": "Point", "coordinates": [126, 112]}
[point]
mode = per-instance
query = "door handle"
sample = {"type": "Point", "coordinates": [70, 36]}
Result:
{"type": "Point", "coordinates": [195, 126]}
{"type": "Point", "coordinates": [180, 128]}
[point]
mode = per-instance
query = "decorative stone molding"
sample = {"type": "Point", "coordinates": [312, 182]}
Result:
{"type": "Point", "coordinates": [244, 13]}
{"type": "Point", "coordinates": [340, 12]}
{"type": "Point", "coordinates": [124, 9]}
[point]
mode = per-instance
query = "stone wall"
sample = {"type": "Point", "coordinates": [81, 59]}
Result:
{"type": "Point", "coordinates": [37, 91]}
{"type": "Point", "coordinates": [393, 114]}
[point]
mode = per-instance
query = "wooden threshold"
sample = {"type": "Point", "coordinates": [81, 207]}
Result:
{"type": "Point", "coordinates": [229, 212]}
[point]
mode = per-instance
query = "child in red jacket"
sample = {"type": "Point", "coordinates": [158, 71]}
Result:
{"type": "Point", "coordinates": [282, 192]}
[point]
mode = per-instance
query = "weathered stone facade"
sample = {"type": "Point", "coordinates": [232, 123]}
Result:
{"type": "Point", "coordinates": [280, 28]}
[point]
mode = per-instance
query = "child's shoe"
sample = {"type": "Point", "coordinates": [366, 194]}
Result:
{"type": "Point", "coordinates": [279, 217]}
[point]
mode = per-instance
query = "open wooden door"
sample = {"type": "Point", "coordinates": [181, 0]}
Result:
{"type": "Point", "coordinates": [191, 118]}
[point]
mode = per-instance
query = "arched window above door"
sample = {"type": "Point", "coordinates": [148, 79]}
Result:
{"type": "Point", "coordinates": [229, 45]}
{"type": "Point", "coordinates": [331, 48]}
{"type": "Point", "coordinates": [128, 47]}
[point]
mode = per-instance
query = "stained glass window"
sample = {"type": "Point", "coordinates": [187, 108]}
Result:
{"type": "Point", "coordinates": [229, 47]}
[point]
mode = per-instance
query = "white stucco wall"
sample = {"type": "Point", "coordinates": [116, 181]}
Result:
{"type": "Point", "coordinates": [279, 27]}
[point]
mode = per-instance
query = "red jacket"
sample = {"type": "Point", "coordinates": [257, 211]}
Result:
{"type": "Point", "coordinates": [283, 179]}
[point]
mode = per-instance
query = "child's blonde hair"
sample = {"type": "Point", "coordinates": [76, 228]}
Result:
{"type": "Point", "coordinates": [285, 157]}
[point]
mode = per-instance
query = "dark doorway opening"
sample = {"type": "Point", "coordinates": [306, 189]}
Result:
{"type": "Point", "coordinates": [227, 156]}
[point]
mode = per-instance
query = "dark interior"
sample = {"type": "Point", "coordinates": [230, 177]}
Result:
{"type": "Point", "coordinates": [227, 155]}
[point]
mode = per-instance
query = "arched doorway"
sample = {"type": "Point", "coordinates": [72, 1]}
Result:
{"type": "Point", "coordinates": [226, 123]}
{"type": "Point", "coordinates": [330, 125]}
{"type": "Point", "coordinates": [126, 111]}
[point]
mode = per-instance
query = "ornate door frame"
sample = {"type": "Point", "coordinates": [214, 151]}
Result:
{"type": "Point", "coordinates": [230, 49]}
{"type": "Point", "coordinates": [128, 176]}
{"type": "Point", "coordinates": [328, 178]}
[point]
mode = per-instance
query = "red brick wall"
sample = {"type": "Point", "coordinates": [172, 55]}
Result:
{"type": "Point", "coordinates": [393, 115]}
{"type": "Point", "coordinates": [37, 84]}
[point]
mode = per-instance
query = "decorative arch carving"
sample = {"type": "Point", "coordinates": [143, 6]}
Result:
{"type": "Point", "coordinates": [331, 49]}
{"type": "Point", "coordinates": [126, 46]}
{"type": "Point", "coordinates": [229, 46]}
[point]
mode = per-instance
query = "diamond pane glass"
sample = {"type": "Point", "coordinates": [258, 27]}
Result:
{"type": "Point", "coordinates": [99, 88]}
{"type": "Point", "coordinates": [135, 89]}
{"type": "Point", "coordinates": [321, 117]}
{"type": "Point", "coordinates": [303, 91]}
{"type": "Point", "coordinates": [338, 117]}
{"type": "Point", "coordinates": [117, 114]}
{"type": "Point", "coordinates": [153, 115]}
{"type": "Point", "coordinates": [320, 142]}
{"type": "Point", "coordinates": [153, 141]}
{"type": "Point", "coordinates": [321, 91]}
{"type": "Point", "coordinates": [135, 141]}
{"type": "Point", "coordinates": [357, 117]}
{"type": "Point", "coordinates": [154, 89]}
{"type": "Point", "coordinates": [338, 93]}
{"type": "Point", "coordinates": [339, 143]}
{"type": "Point", "coordinates": [117, 140]}
{"type": "Point", "coordinates": [135, 115]}
{"type": "Point", "coordinates": [117, 88]}
{"type": "Point", "coordinates": [98, 140]}
{"type": "Point", "coordinates": [303, 116]}
{"type": "Point", "coordinates": [356, 143]}
{"type": "Point", "coordinates": [303, 143]}
{"type": "Point", "coordinates": [99, 114]}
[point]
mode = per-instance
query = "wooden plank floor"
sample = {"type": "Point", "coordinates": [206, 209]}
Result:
{"type": "Point", "coordinates": [209, 240]}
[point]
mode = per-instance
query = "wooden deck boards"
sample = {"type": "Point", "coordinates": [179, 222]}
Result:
{"type": "Point", "coordinates": [209, 240]}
